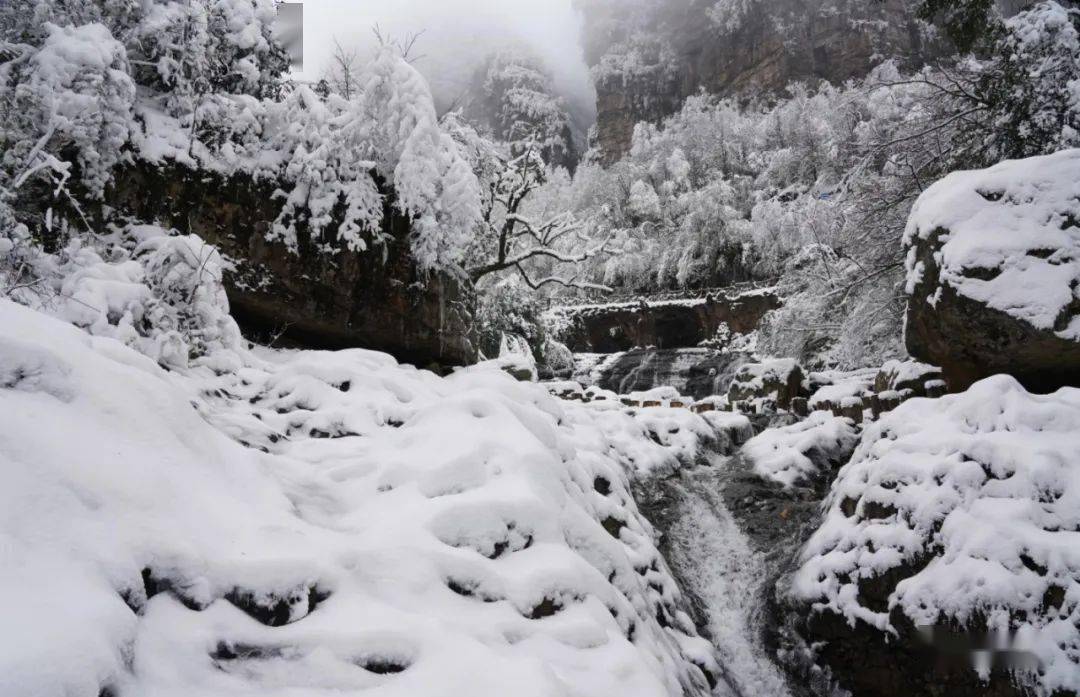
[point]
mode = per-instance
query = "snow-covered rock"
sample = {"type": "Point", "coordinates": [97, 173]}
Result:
{"type": "Point", "coordinates": [772, 383]}
{"type": "Point", "coordinates": [993, 271]}
{"type": "Point", "coordinates": [803, 452]}
{"type": "Point", "coordinates": [961, 511]}
{"type": "Point", "coordinates": [307, 523]}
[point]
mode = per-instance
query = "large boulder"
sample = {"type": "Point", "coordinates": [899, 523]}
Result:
{"type": "Point", "coordinates": [948, 558]}
{"type": "Point", "coordinates": [377, 299]}
{"type": "Point", "coordinates": [993, 260]}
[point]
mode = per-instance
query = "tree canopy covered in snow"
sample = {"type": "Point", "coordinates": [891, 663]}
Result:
{"type": "Point", "coordinates": [203, 84]}
{"type": "Point", "coordinates": [814, 189]}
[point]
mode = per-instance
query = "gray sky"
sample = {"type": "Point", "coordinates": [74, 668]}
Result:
{"type": "Point", "coordinates": [458, 34]}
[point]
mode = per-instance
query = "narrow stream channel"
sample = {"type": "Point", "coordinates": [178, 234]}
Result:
{"type": "Point", "coordinates": [719, 572]}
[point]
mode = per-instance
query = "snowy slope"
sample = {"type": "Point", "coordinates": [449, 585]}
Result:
{"type": "Point", "coordinates": [318, 523]}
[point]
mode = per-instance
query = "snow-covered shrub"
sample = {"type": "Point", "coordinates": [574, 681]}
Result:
{"type": "Point", "coordinates": [185, 276]}
{"type": "Point", "coordinates": [336, 155]}
{"type": "Point", "coordinates": [157, 292]}
{"type": "Point", "coordinates": [1010, 239]}
{"type": "Point", "coordinates": [972, 501]}
{"type": "Point", "coordinates": [71, 95]}
{"type": "Point", "coordinates": [189, 49]}
{"type": "Point", "coordinates": [328, 169]}
{"type": "Point", "coordinates": [804, 452]}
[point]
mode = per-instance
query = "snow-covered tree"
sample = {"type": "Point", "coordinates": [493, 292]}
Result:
{"type": "Point", "coordinates": [969, 24]}
{"type": "Point", "coordinates": [1033, 83]}
{"type": "Point", "coordinates": [514, 98]}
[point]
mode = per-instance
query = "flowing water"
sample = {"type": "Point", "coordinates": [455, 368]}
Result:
{"type": "Point", "coordinates": [722, 575]}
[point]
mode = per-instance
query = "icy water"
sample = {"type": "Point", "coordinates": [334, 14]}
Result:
{"type": "Point", "coordinates": [721, 575]}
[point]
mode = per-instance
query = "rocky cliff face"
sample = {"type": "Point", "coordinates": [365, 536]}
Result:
{"type": "Point", "coordinates": [309, 299]}
{"type": "Point", "coordinates": [680, 47]}
{"type": "Point", "coordinates": [666, 324]}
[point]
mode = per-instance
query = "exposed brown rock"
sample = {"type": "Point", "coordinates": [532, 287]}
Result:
{"type": "Point", "coordinates": [971, 341]}
{"type": "Point", "coordinates": [310, 299]}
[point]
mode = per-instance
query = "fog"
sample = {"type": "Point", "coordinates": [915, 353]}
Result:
{"type": "Point", "coordinates": [458, 34]}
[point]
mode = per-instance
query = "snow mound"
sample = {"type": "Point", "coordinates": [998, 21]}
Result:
{"type": "Point", "coordinates": [315, 523]}
{"type": "Point", "coordinates": [1012, 239]}
{"type": "Point", "coordinates": [974, 501]}
{"type": "Point", "coordinates": [797, 454]}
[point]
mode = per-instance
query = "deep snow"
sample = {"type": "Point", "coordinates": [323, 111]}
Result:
{"type": "Point", "coordinates": [308, 523]}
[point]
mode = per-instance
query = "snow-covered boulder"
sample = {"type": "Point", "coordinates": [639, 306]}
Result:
{"type": "Point", "coordinates": [802, 453]}
{"type": "Point", "coordinates": [314, 523]}
{"type": "Point", "coordinates": [772, 383]}
{"type": "Point", "coordinates": [993, 262]}
{"type": "Point", "coordinates": [959, 516]}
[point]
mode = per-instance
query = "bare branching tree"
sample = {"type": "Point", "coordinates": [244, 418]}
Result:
{"type": "Point", "coordinates": [405, 45]}
{"type": "Point", "coordinates": [343, 74]}
{"type": "Point", "coordinates": [514, 239]}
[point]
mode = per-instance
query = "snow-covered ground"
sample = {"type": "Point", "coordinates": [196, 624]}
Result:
{"type": "Point", "coordinates": [301, 523]}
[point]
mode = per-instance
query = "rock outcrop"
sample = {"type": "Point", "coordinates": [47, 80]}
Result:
{"type": "Point", "coordinates": [769, 385]}
{"type": "Point", "coordinates": [666, 324]}
{"type": "Point", "coordinates": [994, 274]}
{"type": "Point", "coordinates": [308, 299]}
{"type": "Point", "coordinates": [936, 569]}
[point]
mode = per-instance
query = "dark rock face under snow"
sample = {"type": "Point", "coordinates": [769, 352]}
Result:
{"type": "Point", "coordinates": [994, 274]}
{"type": "Point", "coordinates": [345, 300]}
{"type": "Point", "coordinates": [665, 324]}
